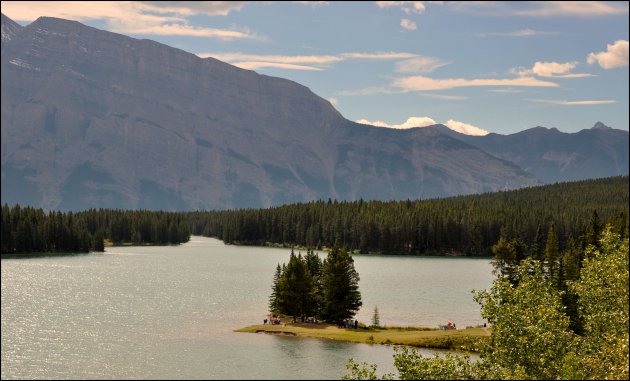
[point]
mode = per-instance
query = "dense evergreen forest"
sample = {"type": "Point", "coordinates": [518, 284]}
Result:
{"type": "Point", "coordinates": [26, 229]}
{"type": "Point", "coordinates": [464, 225]}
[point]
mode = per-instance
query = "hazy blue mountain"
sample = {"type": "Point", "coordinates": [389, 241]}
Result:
{"type": "Point", "coordinates": [553, 156]}
{"type": "Point", "coordinates": [97, 119]}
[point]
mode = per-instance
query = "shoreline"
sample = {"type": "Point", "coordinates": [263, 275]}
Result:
{"type": "Point", "coordinates": [453, 339]}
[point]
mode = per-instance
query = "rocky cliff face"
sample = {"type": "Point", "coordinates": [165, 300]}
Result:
{"type": "Point", "coordinates": [97, 119]}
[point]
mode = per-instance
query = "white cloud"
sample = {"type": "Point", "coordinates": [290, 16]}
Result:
{"type": "Point", "coordinates": [31, 10]}
{"type": "Point", "coordinates": [551, 69]}
{"type": "Point", "coordinates": [379, 56]}
{"type": "Point", "coordinates": [423, 121]}
{"type": "Point", "coordinates": [574, 8]}
{"type": "Point", "coordinates": [616, 55]}
{"type": "Point", "coordinates": [133, 17]}
{"type": "Point", "coordinates": [253, 65]}
{"type": "Point", "coordinates": [519, 33]}
{"type": "Point", "coordinates": [333, 101]}
{"type": "Point", "coordinates": [424, 83]}
{"type": "Point", "coordinates": [406, 6]}
{"type": "Point", "coordinates": [465, 128]}
{"type": "Point", "coordinates": [408, 24]}
{"type": "Point", "coordinates": [187, 30]}
{"type": "Point", "coordinates": [420, 65]}
{"type": "Point", "coordinates": [189, 8]}
{"type": "Point", "coordinates": [238, 57]}
{"type": "Point", "coordinates": [414, 121]}
{"type": "Point", "coordinates": [255, 61]}
{"type": "Point", "coordinates": [313, 4]}
{"type": "Point", "coordinates": [573, 103]}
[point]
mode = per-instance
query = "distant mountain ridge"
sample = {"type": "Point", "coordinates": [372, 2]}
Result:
{"type": "Point", "coordinates": [554, 156]}
{"type": "Point", "coordinates": [97, 119]}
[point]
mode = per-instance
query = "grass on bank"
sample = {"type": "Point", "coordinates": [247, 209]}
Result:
{"type": "Point", "coordinates": [454, 339]}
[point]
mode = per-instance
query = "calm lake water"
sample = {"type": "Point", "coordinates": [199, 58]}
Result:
{"type": "Point", "coordinates": [169, 312]}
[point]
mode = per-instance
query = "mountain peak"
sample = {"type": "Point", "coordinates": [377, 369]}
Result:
{"type": "Point", "coordinates": [9, 28]}
{"type": "Point", "coordinates": [600, 126]}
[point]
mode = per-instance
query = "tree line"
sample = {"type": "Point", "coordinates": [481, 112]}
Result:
{"type": "Point", "coordinates": [27, 229]}
{"type": "Point", "coordinates": [463, 225]}
{"type": "Point", "coordinates": [310, 287]}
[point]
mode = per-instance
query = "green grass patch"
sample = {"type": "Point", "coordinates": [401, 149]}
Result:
{"type": "Point", "coordinates": [454, 339]}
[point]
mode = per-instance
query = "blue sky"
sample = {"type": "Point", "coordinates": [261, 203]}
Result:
{"type": "Point", "coordinates": [476, 66]}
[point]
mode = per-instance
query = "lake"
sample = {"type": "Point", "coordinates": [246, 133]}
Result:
{"type": "Point", "coordinates": [168, 312]}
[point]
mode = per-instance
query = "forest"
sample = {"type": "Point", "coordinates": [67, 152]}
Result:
{"type": "Point", "coordinates": [463, 225]}
{"type": "Point", "coordinates": [30, 230]}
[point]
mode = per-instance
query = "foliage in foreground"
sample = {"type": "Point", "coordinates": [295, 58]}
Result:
{"type": "Point", "coordinates": [531, 337]}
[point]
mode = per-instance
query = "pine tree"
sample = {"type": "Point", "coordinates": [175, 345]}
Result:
{"type": "Point", "coordinates": [295, 289]}
{"type": "Point", "coordinates": [593, 229]}
{"type": "Point", "coordinates": [572, 259]}
{"type": "Point", "coordinates": [274, 300]}
{"type": "Point", "coordinates": [340, 286]}
{"type": "Point", "coordinates": [376, 321]}
{"type": "Point", "coordinates": [552, 255]}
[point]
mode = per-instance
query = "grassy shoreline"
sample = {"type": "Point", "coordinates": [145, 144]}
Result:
{"type": "Point", "coordinates": [454, 339]}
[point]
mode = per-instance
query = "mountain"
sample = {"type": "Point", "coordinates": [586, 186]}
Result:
{"type": "Point", "coordinates": [9, 28]}
{"type": "Point", "coordinates": [97, 119]}
{"type": "Point", "coordinates": [600, 126]}
{"type": "Point", "coordinates": [554, 156]}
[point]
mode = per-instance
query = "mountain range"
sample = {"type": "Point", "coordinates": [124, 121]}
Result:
{"type": "Point", "coordinates": [97, 119]}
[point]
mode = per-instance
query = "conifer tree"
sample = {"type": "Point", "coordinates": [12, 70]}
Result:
{"type": "Point", "coordinates": [340, 286]}
{"type": "Point", "coordinates": [376, 320]}
{"type": "Point", "coordinates": [274, 301]}
{"type": "Point", "coordinates": [552, 255]}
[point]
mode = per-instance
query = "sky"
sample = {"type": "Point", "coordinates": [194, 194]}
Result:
{"type": "Point", "coordinates": [474, 66]}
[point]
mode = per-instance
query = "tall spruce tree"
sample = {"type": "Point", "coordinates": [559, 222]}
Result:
{"type": "Point", "coordinates": [296, 285]}
{"type": "Point", "coordinates": [274, 298]}
{"type": "Point", "coordinates": [340, 287]}
{"type": "Point", "coordinates": [572, 259]}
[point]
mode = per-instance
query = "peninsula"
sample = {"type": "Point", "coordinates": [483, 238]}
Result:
{"type": "Point", "coordinates": [454, 339]}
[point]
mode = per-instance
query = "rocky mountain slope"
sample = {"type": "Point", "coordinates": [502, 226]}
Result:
{"type": "Point", "coordinates": [97, 119]}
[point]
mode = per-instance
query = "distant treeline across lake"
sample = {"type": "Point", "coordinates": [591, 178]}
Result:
{"type": "Point", "coordinates": [463, 225]}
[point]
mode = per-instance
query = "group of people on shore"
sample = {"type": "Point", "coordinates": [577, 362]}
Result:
{"type": "Point", "coordinates": [348, 323]}
{"type": "Point", "coordinates": [272, 320]}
